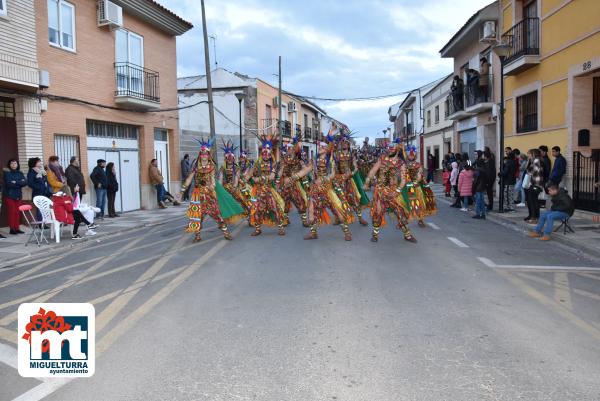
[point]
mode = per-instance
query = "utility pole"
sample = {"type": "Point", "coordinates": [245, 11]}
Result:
{"type": "Point", "coordinates": [211, 110]}
{"type": "Point", "coordinates": [279, 106]}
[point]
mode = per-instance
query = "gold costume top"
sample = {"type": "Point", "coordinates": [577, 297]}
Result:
{"type": "Point", "coordinates": [262, 172]}
{"type": "Point", "coordinates": [228, 171]}
{"type": "Point", "coordinates": [204, 175]}
{"type": "Point", "coordinates": [344, 163]}
{"type": "Point", "coordinates": [387, 175]}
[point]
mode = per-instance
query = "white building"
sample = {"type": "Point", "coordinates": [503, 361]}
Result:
{"type": "Point", "coordinates": [438, 132]}
{"type": "Point", "coordinates": [407, 117]}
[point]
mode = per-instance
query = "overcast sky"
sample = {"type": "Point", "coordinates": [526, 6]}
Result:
{"type": "Point", "coordinates": [330, 48]}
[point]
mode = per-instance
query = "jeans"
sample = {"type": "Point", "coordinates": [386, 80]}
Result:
{"type": "Point", "coordinates": [520, 191]}
{"type": "Point", "coordinates": [160, 192]}
{"type": "Point", "coordinates": [480, 203]}
{"type": "Point", "coordinates": [547, 218]}
{"type": "Point", "coordinates": [100, 200]}
{"type": "Point", "coordinates": [466, 201]}
{"type": "Point", "coordinates": [508, 194]}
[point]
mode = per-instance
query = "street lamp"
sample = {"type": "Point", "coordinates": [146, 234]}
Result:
{"type": "Point", "coordinates": [502, 50]}
{"type": "Point", "coordinates": [240, 97]}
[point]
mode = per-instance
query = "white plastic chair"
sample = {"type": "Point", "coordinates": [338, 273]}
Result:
{"type": "Point", "coordinates": [44, 205]}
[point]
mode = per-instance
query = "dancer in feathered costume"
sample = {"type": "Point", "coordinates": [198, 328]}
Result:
{"type": "Point", "coordinates": [208, 197]}
{"type": "Point", "coordinates": [244, 188]}
{"type": "Point", "coordinates": [230, 174]}
{"type": "Point", "coordinates": [417, 191]}
{"type": "Point", "coordinates": [267, 206]}
{"type": "Point", "coordinates": [347, 182]}
{"type": "Point", "coordinates": [292, 190]}
{"type": "Point", "coordinates": [390, 174]}
{"type": "Point", "coordinates": [322, 195]}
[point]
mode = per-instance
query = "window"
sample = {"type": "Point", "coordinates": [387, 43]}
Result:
{"type": "Point", "coordinates": [429, 118]}
{"type": "Point", "coordinates": [447, 108]}
{"type": "Point", "coordinates": [61, 24]}
{"type": "Point", "coordinates": [437, 114]}
{"type": "Point", "coordinates": [527, 112]}
{"type": "Point", "coordinates": [111, 130]}
{"type": "Point", "coordinates": [2, 7]}
{"type": "Point", "coordinates": [161, 134]}
{"type": "Point", "coordinates": [7, 109]}
{"type": "Point", "coordinates": [596, 105]}
{"type": "Point", "coordinates": [129, 54]}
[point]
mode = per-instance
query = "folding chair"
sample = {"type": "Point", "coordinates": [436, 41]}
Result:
{"type": "Point", "coordinates": [35, 226]}
{"type": "Point", "coordinates": [564, 224]}
{"type": "Point", "coordinates": [44, 205]}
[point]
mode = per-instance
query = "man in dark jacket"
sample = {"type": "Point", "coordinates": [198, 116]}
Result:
{"type": "Point", "coordinates": [490, 173]}
{"type": "Point", "coordinates": [186, 167]}
{"type": "Point", "coordinates": [560, 166]}
{"type": "Point", "coordinates": [546, 163]}
{"type": "Point", "coordinates": [479, 188]}
{"type": "Point", "coordinates": [562, 208]}
{"type": "Point", "coordinates": [74, 176]}
{"type": "Point", "coordinates": [100, 181]}
{"type": "Point", "coordinates": [509, 167]}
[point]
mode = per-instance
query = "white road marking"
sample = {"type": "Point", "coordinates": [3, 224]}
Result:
{"type": "Point", "coordinates": [43, 390]}
{"type": "Point", "coordinates": [8, 355]}
{"type": "Point", "coordinates": [493, 265]}
{"type": "Point", "coordinates": [458, 242]}
{"type": "Point", "coordinates": [434, 226]}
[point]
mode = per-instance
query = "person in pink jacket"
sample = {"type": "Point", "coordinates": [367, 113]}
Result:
{"type": "Point", "coordinates": [465, 185]}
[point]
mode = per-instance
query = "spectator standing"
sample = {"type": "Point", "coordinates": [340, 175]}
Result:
{"type": "Point", "coordinates": [484, 79]}
{"type": "Point", "coordinates": [446, 179]}
{"type": "Point", "coordinates": [12, 194]}
{"type": "Point", "coordinates": [430, 167]}
{"type": "Point", "coordinates": [157, 180]}
{"type": "Point", "coordinates": [490, 173]}
{"type": "Point", "coordinates": [457, 89]}
{"type": "Point", "coordinates": [508, 181]}
{"type": "Point", "coordinates": [186, 168]}
{"type": "Point", "coordinates": [560, 166]}
{"type": "Point", "coordinates": [546, 162]}
{"type": "Point", "coordinates": [100, 181]}
{"type": "Point", "coordinates": [465, 185]}
{"type": "Point", "coordinates": [454, 182]}
{"type": "Point", "coordinates": [56, 175]}
{"type": "Point", "coordinates": [37, 180]}
{"type": "Point", "coordinates": [74, 176]}
{"type": "Point", "coordinates": [534, 185]}
{"type": "Point", "coordinates": [522, 161]}
{"type": "Point", "coordinates": [112, 187]}
{"type": "Point", "coordinates": [561, 209]}
{"type": "Point", "coordinates": [479, 187]}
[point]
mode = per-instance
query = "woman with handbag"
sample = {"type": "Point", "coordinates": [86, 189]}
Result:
{"type": "Point", "coordinates": [112, 188]}
{"type": "Point", "coordinates": [533, 183]}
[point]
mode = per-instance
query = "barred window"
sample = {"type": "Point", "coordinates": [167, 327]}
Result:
{"type": "Point", "coordinates": [437, 114]}
{"type": "Point", "coordinates": [104, 129]}
{"type": "Point", "coordinates": [596, 105]}
{"type": "Point", "coordinates": [527, 112]}
{"type": "Point", "coordinates": [7, 109]}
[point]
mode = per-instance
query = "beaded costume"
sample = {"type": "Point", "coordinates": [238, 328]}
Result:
{"type": "Point", "coordinates": [290, 188]}
{"type": "Point", "coordinates": [230, 173]}
{"type": "Point", "coordinates": [418, 193]}
{"type": "Point", "coordinates": [208, 196]}
{"type": "Point", "coordinates": [387, 195]}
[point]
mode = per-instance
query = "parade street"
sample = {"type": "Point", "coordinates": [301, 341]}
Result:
{"type": "Point", "coordinates": [473, 311]}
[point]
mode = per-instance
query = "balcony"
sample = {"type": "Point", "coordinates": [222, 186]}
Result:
{"type": "Point", "coordinates": [298, 130]}
{"type": "Point", "coordinates": [524, 42]}
{"type": "Point", "coordinates": [456, 107]}
{"type": "Point", "coordinates": [137, 87]}
{"type": "Point", "coordinates": [286, 127]}
{"type": "Point", "coordinates": [307, 133]}
{"type": "Point", "coordinates": [478, 97]}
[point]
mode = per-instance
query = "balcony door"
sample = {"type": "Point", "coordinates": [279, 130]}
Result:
{"type": "Point", "coordinates": [129, 56]}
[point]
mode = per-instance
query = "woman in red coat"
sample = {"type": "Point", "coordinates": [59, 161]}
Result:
{"type": "Point", "coordinates": [465, 185]}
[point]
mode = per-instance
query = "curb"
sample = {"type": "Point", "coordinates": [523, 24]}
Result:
{"type": "Point", "coordinates": [61, 247]}
{"type": "Point", "coordinates": [581, 250]}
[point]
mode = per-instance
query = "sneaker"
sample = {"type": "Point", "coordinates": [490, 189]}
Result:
{"type": "Point", "coordinates": [2, 237]}
{"type": "Point", "coordinates": [92, 226]}
{"type": "Point", "coordinates": [534, 234]}
{"type": "Point", "coordinates": [545, 238]}
{"type": "Point", "coordinates": [76, 236]}
{"type": "Point", "coordinates": [464, 209]}
{"type": "Point", "coordinates": [91, 232]}
{"type": "Point", "coordinates": [521, 204]}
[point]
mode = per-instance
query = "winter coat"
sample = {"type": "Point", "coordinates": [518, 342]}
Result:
{"type": "Point", "coordinates": [480, 180]}
{"type": "Point", "coordinates": [547, 166]}
{"type": "Point", "coordinates": [74, 177]}
{"type": "Point", "coordinates": [465, 183]}
{"type": "Point", "coordinates": [155, 175]}
{"type": "Point", "coordinates": [490, 171]}
{"type": "Point", "coordinates": [38, 182]}
{"type": "Point", "coordinates": [454, 174]}
{"type": "Point", "coordinates": [562, 202]}
{"type": "Point", "coordinates": [112, 183]}
{"type": "Point", "coordinates": [559, 170]}
{"type": "Point", "coordinates": [13, 181]}
{"type": "Point", "coordinates": [534, 169]}
{"type": "Point", "coordinates": [508, 172]}
{"type": "Point", "coordinates": [98, 176]}
{"type": "Point", "coordinates": [55, 184]}
{"type": "Point", "coordinates": [186, 167]}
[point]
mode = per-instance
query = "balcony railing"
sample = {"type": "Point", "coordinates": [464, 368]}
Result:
{"type": "Point", "coordinates": [307, 133]}
{"type": "Point", "coordinates": [298, 130]}
{"type": "Point", "coordinates": [287, 128]}
{"type": "Point", "coordinates": [479, 90]}
{"type": "Point", "coordinates": [136, 82]}
{"type": "Point", "coordinates": [523, 39]}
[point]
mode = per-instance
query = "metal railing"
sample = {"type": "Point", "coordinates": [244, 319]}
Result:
{"type": "Point", "coordinates": [586, 175]}
{"type": "Point", "coordinates": [307, 133]}
{"type": "Point", "coordinates": [138, 82]}
{"type": "Point", "coordinates": [286, 128]}
{"type": "Point", "coordinates": [479, 90]}
{"type": "Point", "coordinates": [523, 39]}
{"type": "Point", "coordinates": [298, 130]}
{"type": "Point", "coordinates": [455, 102]}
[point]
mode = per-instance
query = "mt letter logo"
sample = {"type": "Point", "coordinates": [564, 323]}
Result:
{"type": "Point", "coordinates": [56, 340]}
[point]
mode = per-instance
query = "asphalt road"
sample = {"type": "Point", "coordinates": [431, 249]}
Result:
{"type": "Point", "coordinates": [473, 311]}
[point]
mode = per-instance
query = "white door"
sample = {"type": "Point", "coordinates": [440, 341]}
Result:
{"type": "Point", "coordinates": [129, 186]}
{"type": "Point", "coordinates": [161, 154]}
{"type": "Point", "coordinates": [113, 157]}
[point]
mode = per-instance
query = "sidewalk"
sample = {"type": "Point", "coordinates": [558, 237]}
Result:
{"type": "Point", "coordinates": [13, 249]}
{"type": "Point", "coordinates": [586, 238]}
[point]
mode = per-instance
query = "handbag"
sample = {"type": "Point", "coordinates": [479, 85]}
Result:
{"type": "Point", "coordinates": [526, 181]}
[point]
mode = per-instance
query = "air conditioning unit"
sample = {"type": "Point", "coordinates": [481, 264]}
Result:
{"type": "Point", "coordinates": [489, 31]}
{"type": "Point", "coordinates": [109, 14]}
{"type": "Point", "coordinates": [292, 106]}
{"type": "Point", "coordinates": [276, 101]}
